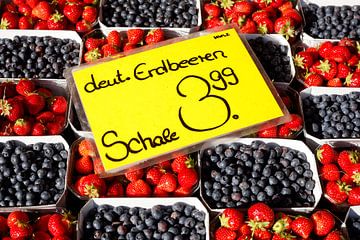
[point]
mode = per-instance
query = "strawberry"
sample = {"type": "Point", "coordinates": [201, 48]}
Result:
{"type": "Point", "coordinates": [41, 236]}
{"type": "Point", "coordinates": [92, 186]}
{"type": "Point", "coordinates": [22, 127]}
{"type": "Point", "coordinates": [21, 231]}
{"type": "Point", "coordinates": [41, 223]}
{"type": "Point", "coordinates": [249, 27]}
{"type": "Point", "coordinates": [295, 123]}
{"type": "Point", "coordinates": [83, 26]}
{"type": "Point", "coordinates": [12, 109]}
{"type": "Point", "coordinates": [154, 36]}
{"type": "Point", "coordinates": [260, 216]}
{"type": "Point", "coordinates": [153, 175]}
{"type": "Point", "coordinates": [268, 132]}
{"type": "Point", "coordinates": [282, 224]}
{"type": "Point", "coordinates": [62, 237]}
{"type": "Point", "coordinates": [261, 3]}
{"type": "Point", "coordinates": [138, 188]}
{"type": "Point", "coordinates": [41, 25]}
{"type": "Point", "coordinates": [54, 128]}
{"type": "Point", "coordinates": [32, 3]}
{"type": "Point", "coordinates": [245, 229]}
{"type": "Point", "coordinates": [302, 226]}
{"type": "Point", "coordinates": [323, 221]}
{"type": "Point", "coordinates": [24, 9]}
{"type": "Point", "coordinates": [87, 148]}
{"type": "Point", "coordinates": [213, 22]}
{"type": "Point", "coordinates": [109, 50]}
{"type": "Point", "coordinates": [337, 191]}
{"type": "Point", "coordinates": [10, 7]}
{"type": "Point", "coordinates": [335, 82]}
{"type": "Point", "coordinates": [187, 178]}
{"type": "Point", "coordinates": [168, 182]}
{"type": "Point", "coordinates": [223, 233]}
{"type": "Point", "coordinates": [35, 103]}
{"type": "Point", "coordinates": [232, 219]}
{"type": "Point", "coordinates": [330, 172]}
{"type": "Point", "coordinates": [128, 47]}
{"type": "Point", "coordinates": [25, 86]}
{"type": "Point", "coordinates": [73, 11]}
{"type": "Point", "coordinates": [334, 235]}
{"type": "Point", "coordinates": [115, 189]}
{"type": "Point", "coordinates": [285, 132]}
{"type": "Point", "coordinates": [98, 166]}
{"type": "Point", "coordinates": [166, 165]}
{"type": "Point", "coordinates": [354, 196]}
{"type": "Point", "coordinates": [56, 21]}
{"type": "Point", "coordinates": [92, 55]}
{"type": "Point", "coordinates": [3, 225]}
{"type": "Point", "coordinates": [326, 68]}
{"type": "Point", "coordinates": [282, 236]}
{"type": "Point", "coordinates": [346, 178]}
{"type": "Point", "coordinates": [303, 60]}
{"type": "Point", "coordinates": [17, 217]}
{"type": "Point", "coordinates": [326, 154]}
{"type": "Point", "coordinates": [25, 22]}
{"type": "Point", "coordinates": [294, 14]}
{"type": "Point", "coordinates": [58, 105]}
{"type": "Point", "coordinates": [277, 3]}
{"type": "Point", "coordinates": [244, 8]}
{"type": "Point", "coordinates": [45, 117]}
{"type": "Point", "coordinates": [92, 43]}
{"type": "Point", "coordinates": [340, 54]}
{"type": "Point", "coordinates": [182, 192]}
{"type": "Point", "coordinates": [9, 21]}
{"type": "Point", "coordinates": [158, 192]}
{"type": "Point", "coordinates": [314, 52]}
{"type": "Point", "coordinates": [265, 26]}
{"type": "Point", "coordinates": [343, 70]}
{"type": "Point", "coordinates": [353, 61]}
{"type": "Point", "coordinates": [134, 175]}
{"type": "Point", "coordinates": [260, 15]}
{"type": "Point", "coordinates": [353, 171]}
{"type": "Point", "coordinates": [114, 38]}
{"type": "Point", "coordinates": [262, 234]}
{"type": "Point", "coordinates": [212, 9]}
{"type": "Point", "coordinates": [38, 129]}
{"type": "Point", "coordinates": [89, 14]}
{"type": "Point", "coordinates": [285, 26]}
{"type": "Point", "coordinates": [182, 162]}
{"type": "Point", "coordinates": [347, 158]}
{"type": "Point", "coordinates": [135, 36]}
{"type": "Point", "coordinates": [84, 165]}
{"type": "Point", "coordinates": [42, 10]}
{"type": "Point", "coordinates": [60, 224]}
{"type": "Point", "coordinates": [353, 80]}
{"type": "Point", "coordinates": [325, 49]}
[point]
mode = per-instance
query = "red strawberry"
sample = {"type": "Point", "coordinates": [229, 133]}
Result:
{"type": "Point", "coordinates": [277, 3]}
{"type": "Point", "coordinates": [25, 86]}
{"type": "Point", "coordinates": [232, 219]}
{"type": "Point", "coordinates": [182, 192]}
{"type": "Point", "coordinates": [335, 82]}
{"type": "Point", "coordinates": [153, 175]}
{"type": "Point", "coordinates": [38, 129]}
{"type": "Point", "coordinates": [3, 225]}
{"type": "Point", "coordinates": [166, 165]}
{"type": "Point", "coordinates": [21, 231]}
{"type": "Point", "coordinates": [92, 43]}
{"type": "Point", "coordinates": [12, 109]}
{"type": "Point", "coordinates": [212, 9]}
{"type": "Point", "coordinates": [282, 224]}
{"type": "Point", "coordinates": [314, 52]}
{"type": "Point", "coordinates": [35, 103]}
{"type": "Point", "coordinates": [60, 224]}
{"type": "Point", "coordinates": [340, 54]}
{"type": "Point", "coordinates": [243, 8]}
{"type": "Point", "coordinates": [323, 221]}
{"type": "Point", "coordinates": [134, 175]}
{"type": "Point", "coordinates": [347, 158]}
{"type": "Point", "coordinates": [285, 26]}
{"type": "Point", "coordinates": [261, 3]}
{"type": "Point", "coordinates": [265, 26]}
{"type": "Point", "coordinates": [138, 188]}
{"type": "Point", "coordinates": [115, 189]}
{"type": "Point", "coordinates": [92, 186]}
{"type": "Point", "coordinates": [213, 22]}
{"type": "Point", "coordinates": [346, 178]}
{"type": "Point", "coordinates": [259, 15]}
{"type": "Point", "coordinates": [327, 68]}
{"type": "Point", "coordinates": [326, 154]}
{"type": "Point", "coordinates": [303, 60]}
{"type": "Point", "coordinates": [154, 36]}
{"type": "Point", "coordinates": [128, 47]}
{"type": "Point", "coordinates": [249, 27]}
{"type": "Point", "coordinates": [334, 235]}
{"type": "Point", "coordinates": [330, 172]}
{"type": "Point", "coordinates": [262, 234]}
{"type": "Point", "coordinates": [354, 196]}
{"type": "Point", "coordinates": [109, 50]}
{"type": "Point", "coordinates": [353, 171]}
{"type": "Point", "coordinates": [54, 128]}
{"type": "Point", "coordinates": [325, 49]}
{"type": "Point", "coordinates": [295, 123]}
{"type": "Point", "coordinates": [32, 3]}
{"type": "Point", "coordinates": [168, 182]}
{"type": "Point", "coordinates": [337, 191]}
{"type": "Point", "coordinates": [84, 165]}
{"type": "Point", "coordinates": [42, 10]}
{"type": "Point", "coordinates": [41, 236]}
{"type": "Point", "coordinates": [223, 233]}
{"type": "Point", "coordinates": [17, 217]}
{"type": "Point", "coordinates": [56, 21]}
{"type": "Point", "coordinates": [25, 23]}
{"type": "Point", "coordinates": [260, 216]}
{"type": "Point", "coordinates": [182, 162]}
{"type": "Point", "coordinates": [343, 70]}
{"type": "Point", "coordinates": [270, 132]}
{"type": "Point", "coordinates": [25, 9]}
{"type": "Point", "coordinates": [135, 36]}
{"type": "Point", "coordinates": [22, 127]}
{"type": "Point", "coordinates": [353, 80]}
{"type": "Point", "coordinates": [353, 61]}
{"type": "Point", "coordinates": [41, 25]}
{"type": "Point", "coordinates": [187, 178]}
{"type": "Point", "coordinates": [9, 21]}
{"type": "Point", "coordinates": [83, 26]}
{"type": "Point", "coordinates": [45, 117]}
{"type": "Point", "coordinates": [73, 11]}
{"type": "Point", "coordinates": [10, 7]}
{"type": "Point", "coordinates": [87, 148]}
{"type": "Point", "coordinates": [245, 229]}
{"type": "Point", "coordinates": [294, 14]}
{"type": "Point", "coordinates": [58, 105]}
{"type": "Point", "coordinates": [114, 38]}
{"type": "Point", "coordinates": [92, 55]}
{"type": "Point", "coordinates": [89, 14]}
{"type": "Point", "coordinates": [98, 166]}
{"type": "Point", "coordinates": [158, 192]}
{"type": "Point", "coordinates": [302, 226]}
{"type": "Point", "coordinates": [285, 132]}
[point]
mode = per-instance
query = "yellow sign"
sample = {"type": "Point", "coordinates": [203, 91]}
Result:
{"type": "Point", "coordinates": [171, 97]}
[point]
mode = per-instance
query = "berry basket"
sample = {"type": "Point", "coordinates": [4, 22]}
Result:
{"type": "Point", "coordinates": [352, 214]}
{"type": "Point", "coordinates": [71, 38]}
{"type": "Point", "coordinates": [313, 20]}
{"type": "Point", "coordinates": [60, 150]}
{"type": "Point", "coordinates": [91, 206]}
{"type": "Point", "coordinates": [312, 140]}
{"type": "Point", "coordinates": [277, 40]}
{"type": "Point", "coordinates": [245, 146]}
{"type": "Point", "coordinates": [123, 27]}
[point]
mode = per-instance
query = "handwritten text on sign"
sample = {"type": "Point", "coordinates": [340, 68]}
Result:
{"type": "Point", "coordinates": [167, 98]}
